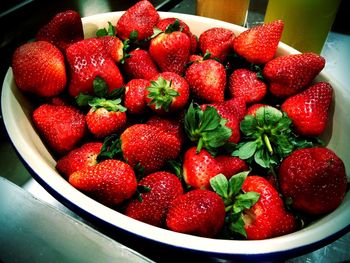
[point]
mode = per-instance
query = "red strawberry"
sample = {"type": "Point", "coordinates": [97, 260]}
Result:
{"type": "Point", "coordinates": [246, 84]}
{"type": "Point", "coordinates": [169, 92]}
{"type": "Point", "coordinates": [309, 109]}
{"type": "Point", "coordinates": [217, 41]}
{"type": "Point", "coordinates": [114, 47]}
{"type": "Point", "coordinates": [288, 75]}
{"type": "Point", "coordinates": [110, 182]}
{"type": "Point", "coordinates": [62, 127]}
{"type": "Point", "coordinates": [207, 80]}
{"type": "Point", "coordinates": [164, 23]}
{"type": "Point", "coordinates": [79, 158]}
{"type": "Point", "coordinates": [149, 147]}
{"type": "Point", "coordinates": [38, 67]}
{"type": "Point", "coordinates": [105, 117]}
{"type": "Point", "coordinates": [170, 51]}
{"type": "Point", "coordinates": [140, 19]}
{"type": "Point", "coordinates": [62, 30]}
{"type": "Point", "coordinates": [89, 59]}
{"type": "Point", "coordinates": [134, 99]}
{"type": "Point", "coordinates": [172, 125]}
{"type": "Point", "coordinates": [139, 65]}
{"type": "Point", "coordinates": [198, 212]}
{"type": "Point", "coordinates": [259, 44]}
{"type": "Point", "coordinates": [314, 179]}
{"type": "Point", "coordinates": [199, 168]}
{"type": "Point", "coordinates": [267, 218]}
{"type": "Point", "coordinates": [163, 188]}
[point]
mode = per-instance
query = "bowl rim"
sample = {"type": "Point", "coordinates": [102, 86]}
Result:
{"type": "Point", "coordinates": [299, 242]}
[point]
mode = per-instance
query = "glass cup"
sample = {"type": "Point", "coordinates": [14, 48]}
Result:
{"type": "Point", "coordinates": [233, 11]}
{"type": "Point", "coordinates": [306, 22]}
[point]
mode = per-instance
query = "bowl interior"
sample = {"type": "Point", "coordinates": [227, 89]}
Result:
{"type": "Point", "coordinates": [16, 110]}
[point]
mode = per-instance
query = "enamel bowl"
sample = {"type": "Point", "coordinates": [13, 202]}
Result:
{"type": "Point", "coordinates": [16, 110]}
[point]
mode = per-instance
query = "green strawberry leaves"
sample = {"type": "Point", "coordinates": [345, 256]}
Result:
{"type": "Point", "coordinates": [236, 201]}
{"type": "Point", "coordinates": [268, 138]}
{"type": "Point", "coordinates": [161, 93]}
{"type": "Point", "coordinates": [110, 31]}
{"type": "Point", "coordinates": [207, 128]}
{"type": "Point", "coordinates": [102, 97]}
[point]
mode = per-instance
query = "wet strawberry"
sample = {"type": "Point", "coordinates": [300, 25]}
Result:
{"type": "Point", "coordinates": [138, 20]}
{"type": "Point", "coordinates": [309, 109]}
{"type": "Point", "coordinates": [314, 180]}
{"type": "Point", "coordinates": [198, 212]}
{"type": "Point", "coordinates": [61, 127]}
{"type": "Point", "coordinates": [245, 84]}
{"type": "Point", "coordinates": [216, 41]}
{"type": "Point", "coordinates": [290, 74]}
{"type": "Point", "coordinates": [207, 80]}
{"type": "Point", "coordinates": [259, 44]}
{"type": "Point", "coordinates": [168, 92]}
{"type": "Point", "coordinates": [79, 158]}
{"type": "Point", "coordinates": [114, 47]}
{"type": "Point", "coordinates": [152, 207]}
{"type": "Point", "coordinates": [39, 68]}
{"type": "Point", "coordinates": [110, 182]}
{"type": "Point", "coordinates": [62, 30]}
{"type": "Point", "coordinates": [134, 99]}
{"type": "Point", "coordinates": [87, 60]}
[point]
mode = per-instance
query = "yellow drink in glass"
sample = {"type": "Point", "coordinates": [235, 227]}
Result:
{"type": "Point", "coordinates": [306, 22]}
{"type": "Point", "coordinates": [233, 11]}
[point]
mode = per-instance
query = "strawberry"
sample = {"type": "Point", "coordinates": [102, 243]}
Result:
{"type": "Point", "coordinates": [110, 182]}
{"type": "Point", "coordinates": [138, 20]}
{"type": "Point", "coordinates": [149, 147]}
{"type": "Point", "coordinates": [268, 217]}
{"type": "Point", "coordinates": [259, 44]}
{"type": "Point", "coordinates": [114, 47]}
{"type": "Point", "coordinates": [88, 59]}
{"type": "Point", "coordinates": [139, 65]}
{"type": "Point", "coordinates": [62, 30]}
{"type": "Point", "coordinates": [314, 180]}
{"type": "Point", "coordinates": [163, 188]}
{"type": "Point", "coordinates": [62, 127]}
{"type": "Point", "coordinates": [134, 99]}
{"type": "Point", "coordinates": [198, 212]}
{"type": "Point", "coordinates": [199, 168]}
{"type": "Point", "coordinates": [309, 109]}
{"type": "Point", "coordinates": [216, 41]}
{"type": "Point", "coordinates": [164, 23]}
{"type": "Point", "coordinates": [173, 125]}
{"type": "Point", "coordinates": [289, 74]}
{"type": "Point", "coordinates": [79, 158]}
{"type": "Point", "coordinates": [207, 80]}
{"type": "Point", "coordinates": [105, 117]}
{"type": "Point", "coordinates": [246, 84]}
{"type": "Point", "coordinates": [168, 92]}
{"type": "Point", "coordinates": [39, 68]}
{"type": "Point", "coordinates": [170, 51]}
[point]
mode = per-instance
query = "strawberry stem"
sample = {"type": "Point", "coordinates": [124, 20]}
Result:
{"type": "Point", "coordinates": [268, 143]}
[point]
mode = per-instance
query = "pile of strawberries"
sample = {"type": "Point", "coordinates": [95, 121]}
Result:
{"type": "Point", "coordinates": [210, 135]}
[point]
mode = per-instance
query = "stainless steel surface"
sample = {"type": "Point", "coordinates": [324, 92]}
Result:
{"type": "Point", "coordinates": [337, 54]}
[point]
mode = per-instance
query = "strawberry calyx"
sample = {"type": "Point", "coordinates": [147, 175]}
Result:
{"type": "Point", "coordinates": [268, 138]}
{"type": "Point", "coordinates": [237, 202]}
{"type": "Point", "coordinates": [207, 128]}
{"type": "Point", "coordinates": [161, 94]}
{"type": "Point", "coordinates": [109, 105]}
{"type": "Point", "coordinates": [110, 31]}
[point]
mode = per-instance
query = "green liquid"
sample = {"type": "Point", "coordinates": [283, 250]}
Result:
{"type": "Point", "coordinates": [306, 22]}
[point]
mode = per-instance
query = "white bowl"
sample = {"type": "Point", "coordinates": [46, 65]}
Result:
{"type": "Point", "coordinates": [17, 110]}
